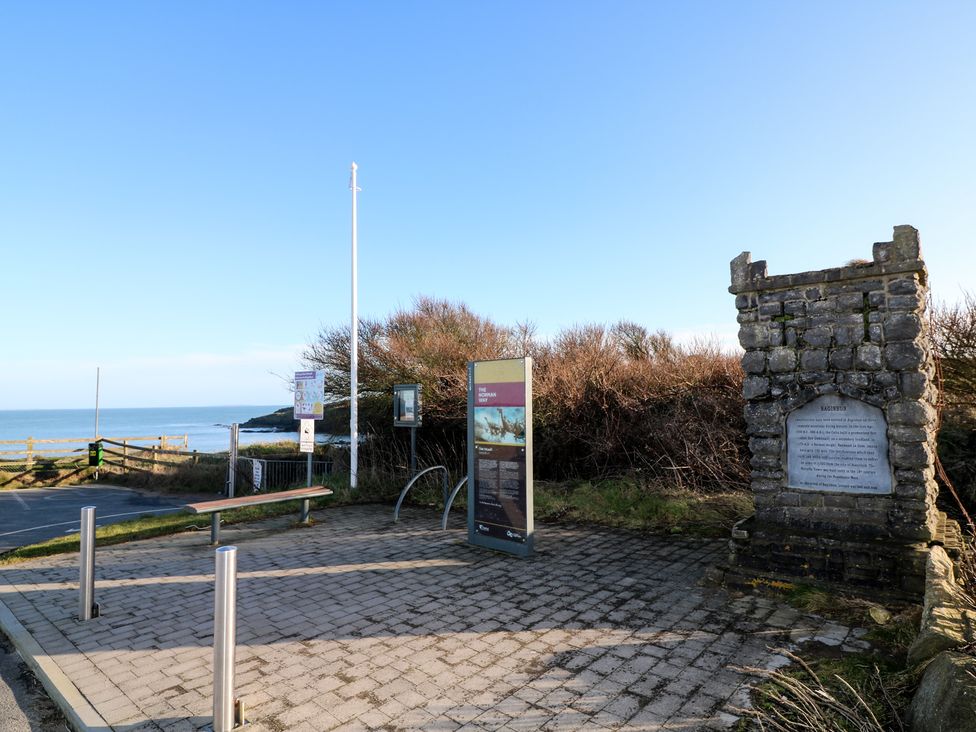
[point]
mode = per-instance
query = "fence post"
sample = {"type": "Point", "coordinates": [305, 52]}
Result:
{"type": "Point", "coordinates": [30, 452]}
{"type": "Point", "coordinates": [125, 456]}
{"type": "Point", "coordinates": [162, 442]}
{"type": "Point", "coordinates": [87, 608]}
{"type": "Point", "coordinates": [227, 712]}
{"type": "Point", "coordinates": [186, 442]}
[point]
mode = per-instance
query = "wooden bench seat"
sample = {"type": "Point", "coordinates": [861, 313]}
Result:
{"type": "Point", "coordinates": [226, 504]}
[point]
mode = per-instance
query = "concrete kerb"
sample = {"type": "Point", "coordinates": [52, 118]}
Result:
{"type": "Point", "coordinates": [80, 714]}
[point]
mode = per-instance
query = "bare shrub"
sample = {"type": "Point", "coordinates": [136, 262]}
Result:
{"type": "Point", "coordinates": [610, 400]}
{"type": "Point", "coordinates": [954, 338]}
{"type": "Point", "coordinates": [606, 400]}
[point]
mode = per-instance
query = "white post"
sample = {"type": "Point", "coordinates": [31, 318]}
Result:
{"type": "Point", "coordinates": [232, 461]}
{"type": "Point", "coordinates": [98, 381]}
{"type": "Point", "coordinates": [354, 350]}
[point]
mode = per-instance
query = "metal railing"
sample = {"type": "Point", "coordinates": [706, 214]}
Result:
{"type": "Point", "coordinates": [277, 475]}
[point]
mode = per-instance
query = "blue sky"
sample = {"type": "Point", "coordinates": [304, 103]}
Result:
{"type": "Point", "coordinates": [174, 202]}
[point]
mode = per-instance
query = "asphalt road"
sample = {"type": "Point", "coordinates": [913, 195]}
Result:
{"type": "Point", "coordinates": [35, 514]}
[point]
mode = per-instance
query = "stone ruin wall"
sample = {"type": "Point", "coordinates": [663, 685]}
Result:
{"type": "Point", "coordinates": [857, 331]}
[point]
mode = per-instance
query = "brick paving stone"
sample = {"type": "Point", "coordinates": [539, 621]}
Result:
{"type": "Point", "coordinates": [359, 624]}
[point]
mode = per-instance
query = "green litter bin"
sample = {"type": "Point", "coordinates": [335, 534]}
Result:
{"type": "Point", "coordinates": [94, 454]}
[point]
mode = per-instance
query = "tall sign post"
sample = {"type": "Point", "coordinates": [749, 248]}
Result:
{"type": "Point", "coordinates": [354, 347]}
{"type": "Point", "coordinates": [232, 461]}
{"type": "Point", "coordinates": [500, 510]}
{"type": "Point", "coordinates": [309, 406]}
{"type": "Point", "coordinates": [407, 413]}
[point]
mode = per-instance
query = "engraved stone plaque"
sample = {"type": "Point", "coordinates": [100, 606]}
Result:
{"type": "Point", "coordinates": [835, 443]}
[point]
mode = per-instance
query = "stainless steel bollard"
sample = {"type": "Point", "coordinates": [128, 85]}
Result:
{"type": "Point", "coordinates": [225, 639]}
{"type": "Point", "coordinates": [87, 609]}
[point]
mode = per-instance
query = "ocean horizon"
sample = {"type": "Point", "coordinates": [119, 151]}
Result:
{"type": "Point", "coordinates": [207, 428]}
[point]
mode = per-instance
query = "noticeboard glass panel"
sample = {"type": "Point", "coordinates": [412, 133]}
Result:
{"type": "Point", "coordinates": [406, 405]}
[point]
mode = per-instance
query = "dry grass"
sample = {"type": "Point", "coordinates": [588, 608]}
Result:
{"type": "Point", "coordinates": [804, 700]}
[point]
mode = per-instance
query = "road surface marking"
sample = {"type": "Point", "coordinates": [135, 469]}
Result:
{"type": "Point", "coordinates": [114, 515]}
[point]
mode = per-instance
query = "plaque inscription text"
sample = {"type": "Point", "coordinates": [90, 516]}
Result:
{"type": "Point", "coordinates": [835, 443]}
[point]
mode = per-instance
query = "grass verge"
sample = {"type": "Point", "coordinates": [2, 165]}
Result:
{"type": "Point", "coordinates": [147, 527]}
{"type": "Point", "coordinates": [629, 504]}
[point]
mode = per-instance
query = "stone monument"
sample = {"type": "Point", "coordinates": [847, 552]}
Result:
{"type": "Point", "coordinates": [841, 417]}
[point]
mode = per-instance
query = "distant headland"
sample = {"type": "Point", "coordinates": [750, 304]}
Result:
{"type": "Point", "coordinates": [281, 420]}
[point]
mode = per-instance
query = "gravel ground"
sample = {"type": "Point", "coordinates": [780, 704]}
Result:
{"type": "Point", "coordinates": [24, 706]}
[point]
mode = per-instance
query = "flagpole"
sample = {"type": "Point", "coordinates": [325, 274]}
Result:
{"type": "Point", "coordinates": [354, 349]}
{"type": "Point", "coordinates": [98, 384]}
{"type": "Point", "coordinates": [98, 380]}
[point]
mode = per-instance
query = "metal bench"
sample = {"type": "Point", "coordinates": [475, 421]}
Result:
{"type": "Point", "coordinates": [226, 504]}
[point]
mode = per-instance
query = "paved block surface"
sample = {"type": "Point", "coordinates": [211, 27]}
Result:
{"type": "Point", "coordinates": [357, 623]}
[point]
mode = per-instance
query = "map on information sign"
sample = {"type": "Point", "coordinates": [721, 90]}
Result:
{"type": "Point", "coordinates": [309, 394]}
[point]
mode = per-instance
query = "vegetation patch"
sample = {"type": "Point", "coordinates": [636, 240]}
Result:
{"type": "Point", "coordinates": [630, 504]}
{"type": "Point", "coordinates": [831, 691]}
{"type": "Point", "coordinates": [827, 688]}
{"type": "Point", "coordinates": [607, 400]}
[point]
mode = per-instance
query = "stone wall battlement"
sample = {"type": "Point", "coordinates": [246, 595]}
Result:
{"type": "Point", "coordinates": [858, 333]}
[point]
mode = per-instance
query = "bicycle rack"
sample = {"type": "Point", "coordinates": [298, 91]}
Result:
{"type": "Point", "coordinates": [447, 504]}
{"type": "Point", "coordinates": [408, 486]}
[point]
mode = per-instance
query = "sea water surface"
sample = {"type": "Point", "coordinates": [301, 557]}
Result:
{"type": "Point", "coordinates": [207, 428]}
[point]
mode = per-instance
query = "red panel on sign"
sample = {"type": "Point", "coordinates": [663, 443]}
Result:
{"type": "Point", "coordinates": [505, 394]}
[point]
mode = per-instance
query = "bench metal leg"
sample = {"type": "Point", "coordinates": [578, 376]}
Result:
{"type": "Point", "coordinates": [306, 518]}
{"type": "Point", "coordinates": [215, 528]}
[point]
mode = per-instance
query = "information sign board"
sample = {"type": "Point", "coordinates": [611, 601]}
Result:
{"type": "Point", "coordinates": [306, 437]}
{"type": "Point", "coordinates": [309, 394]}
{"type": "Point", "coordinates": [406, 405]}
{"type": "Point", "coordinates": [500, 511]}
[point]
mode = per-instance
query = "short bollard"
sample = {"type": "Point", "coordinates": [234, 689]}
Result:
{"type": "Point", "coordinates": [228, 713]}
{"type": "Point", "coordinates": [87, 608]}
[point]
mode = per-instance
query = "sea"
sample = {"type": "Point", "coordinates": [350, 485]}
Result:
{"type": "Point", "coordinates": [206, 428]}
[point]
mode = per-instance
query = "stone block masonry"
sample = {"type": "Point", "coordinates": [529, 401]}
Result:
{"type": "Point", "coordinates": [857, 503]}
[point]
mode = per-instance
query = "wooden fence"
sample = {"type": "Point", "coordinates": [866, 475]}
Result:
{"type": "Point", "coordinates": [30, 454]}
